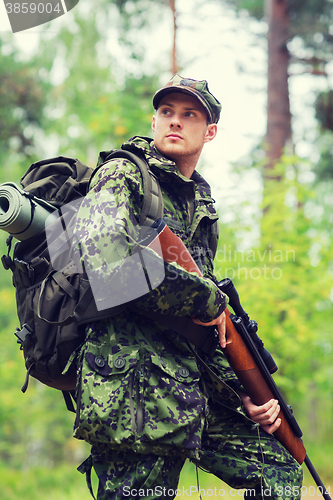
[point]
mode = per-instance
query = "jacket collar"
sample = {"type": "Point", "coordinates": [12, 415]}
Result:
{"type": "Point", "coordinates": [156, 159]}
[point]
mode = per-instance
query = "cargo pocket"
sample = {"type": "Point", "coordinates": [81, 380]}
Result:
{"type": "Point", "coordinates": [107, 406]}
{"type": "Point", "coordinates": [174, 403]}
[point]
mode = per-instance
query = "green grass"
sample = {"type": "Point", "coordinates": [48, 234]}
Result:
{"type": "Point", "coordinates": [65, 483]}
{"type": "Point", "coordinates": [61, 483]}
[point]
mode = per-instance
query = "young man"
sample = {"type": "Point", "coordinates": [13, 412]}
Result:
{"type": "Point", "coordinates": [144, 401]}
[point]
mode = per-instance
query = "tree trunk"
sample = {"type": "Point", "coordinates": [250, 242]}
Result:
{"type": "Point", "coordinates": [278, 133]}
{"type": "Point", "coordinates": [174, 65]}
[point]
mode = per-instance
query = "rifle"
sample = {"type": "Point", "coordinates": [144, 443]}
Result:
{"type": "Point", "coordinates": [253, 367]}
{"type": "Point", "coordinates": [246, 354]}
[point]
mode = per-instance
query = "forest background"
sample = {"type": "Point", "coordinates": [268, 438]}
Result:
{"type": "Point", "coordinates": [83, 83]}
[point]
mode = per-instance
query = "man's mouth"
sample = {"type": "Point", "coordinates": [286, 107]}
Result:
{"type": "Point", "coordinates": [174, 136]}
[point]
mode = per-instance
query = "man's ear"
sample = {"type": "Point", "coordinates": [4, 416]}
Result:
{"type": "Point", "coordinates": [211, 132]}
{"type": "Point", "coordinates": [153, 123]}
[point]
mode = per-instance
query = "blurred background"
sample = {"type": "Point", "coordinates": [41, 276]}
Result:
{"type": "Point", "coordinates": [84, 83]}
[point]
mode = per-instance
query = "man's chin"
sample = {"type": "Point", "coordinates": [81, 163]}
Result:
{"type": "Point", "coordinates": [172, 151]}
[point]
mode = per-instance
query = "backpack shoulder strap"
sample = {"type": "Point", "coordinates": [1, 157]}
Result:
{"type": "Point", "coordinates": [152, 208]}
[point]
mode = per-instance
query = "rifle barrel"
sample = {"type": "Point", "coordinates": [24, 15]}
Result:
{"type": "Point", "coordinates": [316, 478]}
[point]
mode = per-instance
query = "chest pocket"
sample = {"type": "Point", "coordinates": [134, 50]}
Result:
{"type": "Point", "coordinates": [106, 410]}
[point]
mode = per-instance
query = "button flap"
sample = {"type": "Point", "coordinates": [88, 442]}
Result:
{"type": "Point", "coordinates": [110, 364]}
{"type": "Point", "coordinates": [185, 370]}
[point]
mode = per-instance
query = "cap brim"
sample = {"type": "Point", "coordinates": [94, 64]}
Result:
{"type": "Point", "coordinates": [179, 88]}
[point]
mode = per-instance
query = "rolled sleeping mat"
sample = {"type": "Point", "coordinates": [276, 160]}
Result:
{"type": "Point", "coordinates": [20, 215]}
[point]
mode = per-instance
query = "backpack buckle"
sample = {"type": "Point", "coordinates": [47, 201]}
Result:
{"type": "Point", "coordinates": [6, 262]}
{"type": "Point", "coordinates": [22, 334]}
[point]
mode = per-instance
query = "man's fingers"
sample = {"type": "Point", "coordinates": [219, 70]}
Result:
{"type": "Point", "coordinates": [273, 427]}
{"type": "Point", "coordinates": [266, 415]}
{"type": "Point", "coordinates": [215, 322]}
{"type": "Point", "coordinates": [267, 419]}
{"type": "Point", "coordinates": [220, 323]}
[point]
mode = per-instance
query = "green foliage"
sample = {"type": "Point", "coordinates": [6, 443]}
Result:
{"type": "Point", "coordinates": [94, 104]}
{"type": "Point", "coordinates": [133, 18]}
{"type": "Point", "coordinates": [324, 166]}
{"type": "Point", "coordinates": [309, 19]}
{"type": "Point", "coordinates": [311, 16]}
{"type": "Point", "coordinates": [22, 99]}
{"type": "Point", "coordinates": [324, 110]}
{"type": "Point", "coordinates": [80, 101]}
{"type": "Point", "coordinates": [313, 7]}
{"type": "Point", "coordinates": [324, 115]}
{"type": "Point", "coordinates": [318, 11]}
{"type": "Point", "coordinates": [60, 483]}
{"type": "Point", "coordinates": [254, 7]}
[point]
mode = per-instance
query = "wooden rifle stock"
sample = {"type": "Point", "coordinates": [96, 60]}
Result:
{"type": "Point", "coordinates": [238, 355]}
{"type": "Point", "coordinates": [172, 249]}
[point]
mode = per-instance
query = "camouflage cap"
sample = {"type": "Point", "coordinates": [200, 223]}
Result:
{"type": "Point", "coordinates": [196, 88]}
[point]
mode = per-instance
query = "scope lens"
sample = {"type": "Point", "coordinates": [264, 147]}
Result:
{"type": "Point", "coordinates": [4, 205]}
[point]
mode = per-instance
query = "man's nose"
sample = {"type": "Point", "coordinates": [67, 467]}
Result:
{"type": "Point", "coordinates": [176, 121]}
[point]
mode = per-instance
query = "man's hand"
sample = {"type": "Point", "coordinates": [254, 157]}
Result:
{"type": "Point", "coordinates": [220, 323]}
{"type": "Point", "coordinates": [265, 415]}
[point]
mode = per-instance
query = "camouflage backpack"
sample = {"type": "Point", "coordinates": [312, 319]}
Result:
{"type": "Point", "coordinates": [53, 300]}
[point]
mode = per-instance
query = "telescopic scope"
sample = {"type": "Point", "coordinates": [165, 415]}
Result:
{"type": "Point", "coordinates": [229, 289]}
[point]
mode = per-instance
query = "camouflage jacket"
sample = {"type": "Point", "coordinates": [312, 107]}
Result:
{"type": "Point", "coordinates": [140, 386]}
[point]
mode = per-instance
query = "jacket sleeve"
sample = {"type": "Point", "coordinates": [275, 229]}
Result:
{"type": "Point", "coordinates": [119, 268]}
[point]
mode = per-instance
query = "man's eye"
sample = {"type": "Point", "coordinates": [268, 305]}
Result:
{"type": "Point", "coordinates": [189, 114]}
{"type": "Point", "coordinates": [165, 111]}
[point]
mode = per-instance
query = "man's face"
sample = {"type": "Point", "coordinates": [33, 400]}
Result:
{"type": "Point", "coordinates": [180, 126]}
